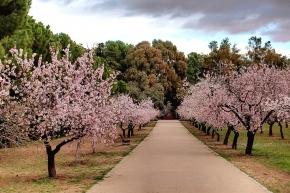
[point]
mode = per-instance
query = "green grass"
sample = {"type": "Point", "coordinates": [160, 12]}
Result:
{"type": "Point", "coordinates": [272, 151]}
{"type": "Point", "coordinates": [270, 163]}
{"type": "Point", "coordinates": [24, 169]}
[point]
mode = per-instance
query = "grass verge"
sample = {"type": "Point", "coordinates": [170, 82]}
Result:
{"type": "Point", "coordinates": [270, 163]}
{"type": "Point", "coordinates": [24, 169]}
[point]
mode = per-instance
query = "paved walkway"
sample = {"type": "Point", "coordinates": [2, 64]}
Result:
{"type": "Point", "coordinates": [171, 160]}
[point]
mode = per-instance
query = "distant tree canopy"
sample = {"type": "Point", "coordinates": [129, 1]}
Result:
{"type": "Point", "coordinates": [195, 67]}
{"type": "Point", "coordinates": [223, 57]}
{"type": "Point", "coordinates": [112, 54]}
{"type": "Point", "coordinates": [264, 53]}
{"type": "Point", "coordinates": [156, 71]}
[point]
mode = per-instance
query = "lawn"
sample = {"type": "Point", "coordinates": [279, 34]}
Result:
{"type": "Point", "coordinates": [24, 169]}
{"type": "Point", "coordinates": [270, 163]}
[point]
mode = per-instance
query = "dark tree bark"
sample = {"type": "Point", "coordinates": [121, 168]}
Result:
{"type": "Point", "coordinates": [228, 133]}
{"type": "Point", "coordinates": [51, 154]}
{"type": "Point", "coordinates": [204, 128]}
{"type": "Point", "coordinates": [281, 130]}
{"type": "Point", "coordinates": [250, 142]}
{"type": "Point", "coordinates": [212, 133]}
{"type": "Point", "coordinates": [271, 128]}
{"type": "Point", "coordinates": [129, 133]}
{"type": "Point", "coordinates": [200, 126]}
{"type": "Point", "coordinates": [123, 130]}
{"type": "Point", "coordinates": [208, 131]}
{"type": "Point", "coordinates": [140, 127]}
{"type": "Point", "coordinates": [218, 136]}
{"type": "Point", "coordinates": [50, 161]}
{"type": "Point", "coordinates": [235, 141]}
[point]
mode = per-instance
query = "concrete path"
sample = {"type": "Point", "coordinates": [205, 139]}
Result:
{"type": "Point", "coordinates": [171, 160]}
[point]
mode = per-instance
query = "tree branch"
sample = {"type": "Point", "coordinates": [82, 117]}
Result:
{"type": "Point", "coordinates": [57, 148]}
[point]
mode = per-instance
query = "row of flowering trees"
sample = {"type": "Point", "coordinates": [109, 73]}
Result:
{"type": "Point", "coordinates": [61, 98]}
{"type": "Point", "coordinates": [243, 99]}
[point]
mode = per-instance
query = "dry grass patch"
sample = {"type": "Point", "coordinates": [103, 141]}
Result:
{"type": "Point", "coordinates": [24, 169]}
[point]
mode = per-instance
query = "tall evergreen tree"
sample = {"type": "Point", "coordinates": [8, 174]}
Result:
{"type": "Point", "coordinates": [13, 15]}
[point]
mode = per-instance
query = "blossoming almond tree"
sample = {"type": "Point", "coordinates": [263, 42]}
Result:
{"type": "Point", "coordinates": [13, 77]}
{"type": "Point", "coordinates": [126, 110]}
{"type": "Point", "coordinates": [64, 98]}
{"type": "Point", "coordinates": [242, 95]}
{"type": "Point", "coordinates": [246, 94]}
{"type": "Point", "coordinates": [203, 105]}
{"type": "Point", "coordinates": [145, 112]}
{"type": "Point", "coordinates": [7, 135]}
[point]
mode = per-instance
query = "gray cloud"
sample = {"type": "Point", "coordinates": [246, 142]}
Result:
{"type": "Point", "coordinates": [233, 16]}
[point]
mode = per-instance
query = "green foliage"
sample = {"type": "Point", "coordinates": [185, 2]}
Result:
{"type": "Point", "coordinates": [12, 15]}
{"type": "Point", "coordinates": [176, 70]}
{"type": "Point", "coordinates": [2, 52]}
{"type": "Point", "coordinates": [21, 38]}
{"type": "Point", "coordinates": [155, 71]}
{"type": "Point", "coordinates": [195, 69]}
{"type": "Point", "coordinates": [43, 39]}
{"type": "Point", "coordinates": [156, 92]}
{"type": "Point", "coordinates": [172, 56]}
{"type": "Point", "coordinates": [223, 58]}
{"type": "Point", "coordinates": [63, 41]}
{"type": "Point", "coordinates": [33, 37]}
{"type": "Point", "coordinates": [120, 87]}
{"type": "Point", "coordinates": [264, 53]}
{"type": "Point", "coordinates": [113, 53]}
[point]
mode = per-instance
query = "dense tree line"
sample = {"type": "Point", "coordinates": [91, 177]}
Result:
{"type": "Point", "coordinates": [241, 97]}
{"type": "Point", "coordinates": [147, 70]}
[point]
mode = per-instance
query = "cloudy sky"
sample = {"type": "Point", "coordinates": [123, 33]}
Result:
{"type": "Point", "coordinates": [190, 24]}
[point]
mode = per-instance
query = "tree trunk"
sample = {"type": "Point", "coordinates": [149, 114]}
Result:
{"type": "Point", "coordinates": [228, 133]}
{"type": "Point", "coordinates": [271, 129]}
{"type": "Point", "coordinates": [77, 154]}
{"type": "Point", "coordinates": [208, 131]}
{"type": "Point", "coordinates": [218, 136]}
{"type": "Point", "coordinates": [212, 133]}
{"type": "Point", "coordinates": [204, 128]}
{"type": "Point", "coordinates": [250, 142]}
{"type": "Point", "coordinates": [281, 130]}
{"type": "Point", "coordinates": [124, 133]}
{"type": "Point", "coordinates": [140, 127]}
{"type": "Point", "coordinates": [51, 154]}
{"type": "Point", "coordinates": [235, 141]}
{"type": "Point", "coordinates": [128, 135]}
{"type": "Point", "coordinates": [50, 161]}
{"type": "Point", "coordinates": [123, 130]}
{"type": "Point", "coordinates": [94, 145]}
